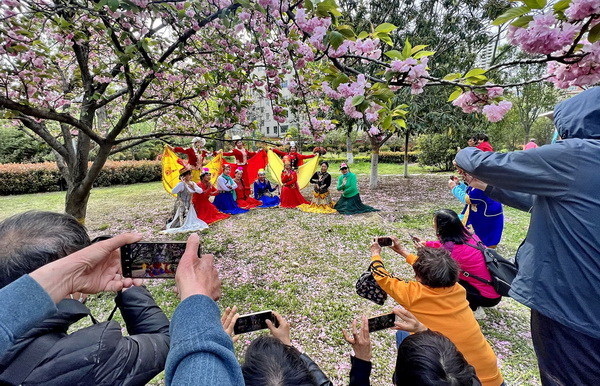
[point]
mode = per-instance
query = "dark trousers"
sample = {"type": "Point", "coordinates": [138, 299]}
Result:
{"type": "Point", "coordinates": [565, 356]}
{"type": "Point", "coordinates": [475, 298]}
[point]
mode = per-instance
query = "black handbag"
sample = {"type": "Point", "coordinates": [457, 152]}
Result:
{"type": "Point", "coordinates": [367, 287]}
{"type": "Point", "coordinates": [502, 271]}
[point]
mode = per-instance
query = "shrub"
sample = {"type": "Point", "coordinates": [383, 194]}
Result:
{"type": "Point", "coordinates": [437, 150]}
{"type": "Point", "coordinates": [45, 177]}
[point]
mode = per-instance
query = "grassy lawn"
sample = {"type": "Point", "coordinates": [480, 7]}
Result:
{"type": "Point", "coordinates": [305, 265]}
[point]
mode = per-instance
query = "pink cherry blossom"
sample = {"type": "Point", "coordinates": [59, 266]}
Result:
{"type": "Point", "coordinates": [580, 9]}
{"type": "Point", "coordinates": [495, 113]}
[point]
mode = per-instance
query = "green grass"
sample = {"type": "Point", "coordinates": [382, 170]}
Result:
{"type": "Point", "coordinates": [305, 265]}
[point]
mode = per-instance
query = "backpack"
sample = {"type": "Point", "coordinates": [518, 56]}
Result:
{"type": "Point", "coordinates": [502, 271]}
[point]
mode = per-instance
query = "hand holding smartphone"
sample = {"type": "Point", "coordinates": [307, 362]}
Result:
{"type": "Point", "coordinates": [385, 241]}
{"type": "Point", "coordinates": [382, 322]}
{"type": "Point", "coordinates": [152, 260]}
{"type": "Point", "coordinates": [254, 322]}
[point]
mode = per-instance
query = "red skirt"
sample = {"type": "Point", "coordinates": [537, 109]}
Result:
{"type": "Point", "coordinates": [206, 211]}
{"type": "Point", "coordinates": [248, 203]}
{"type": "Point", "coordinates": [291, 197]}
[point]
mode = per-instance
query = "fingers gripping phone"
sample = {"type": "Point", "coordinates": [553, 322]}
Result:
{"type": "Point", "coordinates": [254, 322]}
{"type": "Point", "coordinates": [385, 241]}
{"type": "Point", "coordinates": [382, 322]}
{"type": "Point", "coordinates": [154, 260]}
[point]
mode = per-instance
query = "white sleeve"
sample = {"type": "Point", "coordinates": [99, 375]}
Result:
{"type": "Point", "coordinates": [196, 188]}
{"type": "Point", "coordinates": [178, 188]}
{"type": "Point", "coordinates": [222, 184]}
{"type": "Point", "coordinates": [234, 186]}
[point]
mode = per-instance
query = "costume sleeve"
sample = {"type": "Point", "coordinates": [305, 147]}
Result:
{"type": "Point", "coordinates": [256, 196]}
{"type": "Point", "coordinates": [279, 152]}
{"type": "Point", "coordinates": [318, 374]}
{"type": "Point", "coordinates": [233, 185]}
{"type": "Point", "coordinates": [360, 372]}
{"type": "Point", "coordinates": [178, 188]}
{"type": "Point", "coordinates": [543, 171]}
{"type": "Point", "coordinates": [327, 181]}
{"type": "Point", "coordinates": [24, 304]}
{"type": "Point", "coordinates": [315, 178]}
{"type": "Point", "coordinates": [351, 181]}
{"type": "Point", "coordinates": [196, 188]}
{"type": "Point", "coordinates": [250, 154]}
{"type": "Point", "coordinates": [340, 182]}
{"type": "Point", "coordinates": [222, 184]}
{"type": "Point", "coordinates": [393, 286]}
{"type": "Point", "coordinates": [178, 149]}
{"type": "Point", "coordinates": [227, 153]}
{"type": "Point", "coordinates": [302, 156]}
{"type": "Point", "coordinates": [460, 192]}
{"type": "Point", "coordinates": [271, 189]}
{"type": "Point", "coordinates": [201, 351]}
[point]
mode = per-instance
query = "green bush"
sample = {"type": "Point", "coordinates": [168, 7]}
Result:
{"type": "Point", "coordinates": [389, 157]}
{"type": "Point", "coordinates": [20, 147]}
{"type": "Point", "coordinates": [437, 150]}
{"type": "Point", "coordinates": [45, 177]}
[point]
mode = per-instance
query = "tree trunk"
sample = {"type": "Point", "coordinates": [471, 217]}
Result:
{"type": "Point", "coordinates": [349, 154]}
{"type": "Point", "coordinates": [374, 163]}
{"type": "Point", "coordinates": [406, 155]}
{"type": "Point", "coordinates": [76, 201]}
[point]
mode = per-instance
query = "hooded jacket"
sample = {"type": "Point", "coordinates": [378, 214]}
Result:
{"type": "Point", "coordinates": [559, 260]}
{"type": "Point", "coordinates": [100, 354]}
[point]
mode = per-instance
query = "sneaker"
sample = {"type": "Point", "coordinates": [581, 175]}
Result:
{"type": "Point", "coordinates": [479, 313]}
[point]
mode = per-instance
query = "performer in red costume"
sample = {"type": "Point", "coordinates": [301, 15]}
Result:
{"type": "Point", "coordinates": [205, 210]}
{"type": "Point", "coordinates": [195, 157]}
{"type": "Point", "coordinates": [241, 160]}
{"type": "Point", "coordinates": [244, 201]}
{"type": "Point", "coordinates": [290, 193]}
{"type": "Point", "coordinates": [296, 159]}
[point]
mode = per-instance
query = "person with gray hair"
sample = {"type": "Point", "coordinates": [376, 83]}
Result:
{"type": "Point", "coordinates": [99, 354]}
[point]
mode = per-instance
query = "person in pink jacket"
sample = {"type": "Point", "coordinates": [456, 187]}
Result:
{"type": "Point", "coordinates": [454, 237]}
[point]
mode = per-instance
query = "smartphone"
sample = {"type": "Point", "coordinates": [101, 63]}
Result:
{"type": "Point", "coordinates": [414, 239]}
{"type": "Point", "coordinates": [254, 322]}
{"type": "Point", "coordinates": [152, 260]}
{"type": "Point", "coordinates": [381, 322]}
{"type": "Point", "coordinates": [385, 241]}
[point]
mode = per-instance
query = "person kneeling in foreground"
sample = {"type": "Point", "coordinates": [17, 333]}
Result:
{"type": "Point", "coordinates": [425, 358]}
{"type": "Point", "coordinates": [439, 302]}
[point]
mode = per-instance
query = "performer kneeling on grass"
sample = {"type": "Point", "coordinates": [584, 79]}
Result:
{"type": "Point", "coordinates": [225, 200]}
{"type": "Point", "coordinates": [263, 190]}
{"type": "Point", "coordinates": [350, 202]}
{"type": "Point", "coordinates": [321, 202]}
{"type": "Point", "coordinates": [290, 193]}
{"type": "Point", "coordinates": [242, 199]}
{"type": "Point", "coordinates": [184, 215]}
{"type": "Point", "coordinates": [205, 209]}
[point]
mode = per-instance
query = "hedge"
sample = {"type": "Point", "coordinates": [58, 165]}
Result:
{"type": "Point", "coordinates": [392, 157]}
{"type": "Point", "coordinates": [45, 177]}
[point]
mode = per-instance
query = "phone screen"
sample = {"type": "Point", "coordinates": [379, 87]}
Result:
{"type": "Point", "coordinates": [154, 260]}
{"type": "Point", "coordinates": [381, 322]}
{"type": "Point", "coordinates": [385, 241]}
{"type": "Point", "coordinates": [254, 322]}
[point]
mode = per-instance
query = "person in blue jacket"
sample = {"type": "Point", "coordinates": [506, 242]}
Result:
{"type": "Point", "coordinates": [483, 214]}
{"type": "Point", "coordinates": [559, 260]}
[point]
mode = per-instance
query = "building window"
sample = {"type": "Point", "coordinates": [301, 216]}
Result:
{"type": "Point", "coordinates": [275, 130]}
{"type": "Point", "coordinates": [284, 129]}
{"type": "Point", "coordinates": [267, 129]}
{"type": "Point", "coordinates": [268, 116]}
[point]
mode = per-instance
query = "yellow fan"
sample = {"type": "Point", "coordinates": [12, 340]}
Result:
{"type": "Point", "coordinates": [305, 172]}
{"type": "Point", "coordinates": [170, 170]}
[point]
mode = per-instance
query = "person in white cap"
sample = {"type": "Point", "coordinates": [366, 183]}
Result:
{"type": "Point", "coordinates": [195, 157]}
{"type": "Point", "coordinates": [296, 159]}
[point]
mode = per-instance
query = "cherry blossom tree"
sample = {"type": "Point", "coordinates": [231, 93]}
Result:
{"type": "Point", "coordinates": [81, 73]}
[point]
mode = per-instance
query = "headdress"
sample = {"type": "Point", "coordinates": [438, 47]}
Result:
{"type": "Point", "coordinates": [286, 160]}
{"type": "Point", "coordinates": [184, 171]}
{"type": "Point", "coordinates": [236, 138]}
{"type": "Point", "coordinates": [292, 144]}
{"type": "Point", "coordinates": [261, 171]}
{"type": "Point", "coordinates": [343, 166]}
{"type": "Point", "coordinates": [205, 171]}
{"type": "Point", "coordinates": [239, 169]}
{"type": "Point", "coordinates": [199, 139]}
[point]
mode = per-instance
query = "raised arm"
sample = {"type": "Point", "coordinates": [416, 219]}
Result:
{"type": "Point", "coordinates": [460, 192]}
{"type": "Point", "coordinates": [279, 152]}
{"type": "Point", "coordinates": [544, 171]}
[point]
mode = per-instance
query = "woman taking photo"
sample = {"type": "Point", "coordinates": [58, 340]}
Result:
{"type": "Point", "coordinates": [455, 238]}
{"type": "Point", "coordinates": [321, 202]}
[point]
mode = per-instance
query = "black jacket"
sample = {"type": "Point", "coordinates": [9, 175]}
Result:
{"type": "Point", "coordinates": [100, 354]}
